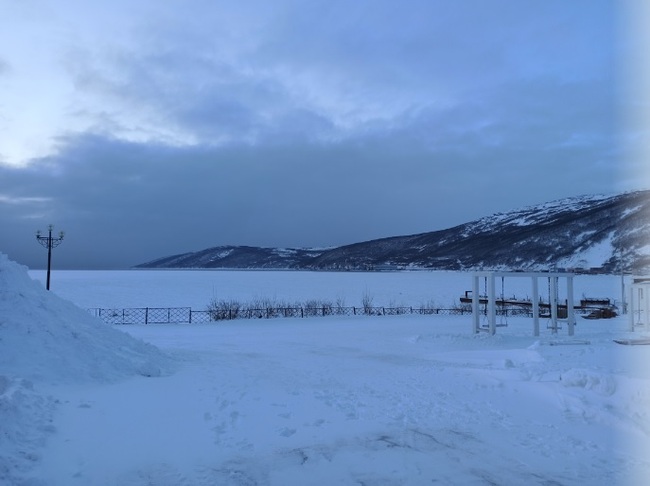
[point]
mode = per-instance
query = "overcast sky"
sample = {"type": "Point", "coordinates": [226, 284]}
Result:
{"type": "Point", "coordinates": [150, 128]}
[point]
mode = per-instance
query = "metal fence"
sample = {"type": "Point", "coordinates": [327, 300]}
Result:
{"type": "Point", "coordinates": [185, 315]}
{"type": "Point", "coordinates": [144, 315]}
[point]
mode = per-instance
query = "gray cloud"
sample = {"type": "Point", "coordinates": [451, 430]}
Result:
{"type": "Point", "coordinates": [341, 67]}
{"type": "Point", "coordinates": [321, 124]}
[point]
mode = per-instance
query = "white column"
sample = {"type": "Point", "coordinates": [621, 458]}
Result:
{"type": "Point", "coordinates": [639, 304]}
{"type": "Point", "coordinates": [630, 310]}
{"type": "Point", "coordinates": [569, 305]}
{"type": "Point", "coordinates": [492, 305]}
{"type": "Point", "coordinates": [553, 301]}
{"type": "Point", "coordinates": [646, 313]}
{"type": "Point", "coordinates": [475, 304]}
{"type": "Point", "coordinates": [623, 296]}
{"type": "Point", "coordinates": [535, 307]}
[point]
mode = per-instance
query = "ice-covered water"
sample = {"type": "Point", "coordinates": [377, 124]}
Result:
{"type": "Point", "coordinates": [193, 288]}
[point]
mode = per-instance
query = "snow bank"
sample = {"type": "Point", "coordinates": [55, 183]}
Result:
{"type": "Point", "coordinates": [46, 341]}
{"type": "Point", "coordinates": [26, 418]}
{"type": "Point", "coordinates": [45, 338]}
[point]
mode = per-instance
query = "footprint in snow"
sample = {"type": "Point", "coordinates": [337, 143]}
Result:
{"type": "Point", "coordinates": [287, 432]}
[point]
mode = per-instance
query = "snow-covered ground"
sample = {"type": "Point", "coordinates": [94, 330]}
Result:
{"type": "Point", "coordinates": [403, 400]}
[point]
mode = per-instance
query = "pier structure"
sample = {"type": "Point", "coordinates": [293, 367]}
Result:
{"type": "Point", "coordinates": [491, 303]}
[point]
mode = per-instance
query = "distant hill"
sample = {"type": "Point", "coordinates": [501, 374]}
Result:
{"type": "Point", "coordinates": [594, 233]}
{"type": "Point", "coordinates": [237, 257]}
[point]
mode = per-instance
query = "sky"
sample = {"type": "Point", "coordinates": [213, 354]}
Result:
{"type": "Point", "coordinates": [146, 129]}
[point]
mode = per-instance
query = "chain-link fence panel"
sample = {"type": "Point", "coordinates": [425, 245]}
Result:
{"type": "Point", "coordinates": [122, 316]}
{"type": "Point", "coordinates": [144, 315]}
{"type": "Point", "coordinates": [198, 317]}
{"type": "Point", "coordinates": [167, 315]}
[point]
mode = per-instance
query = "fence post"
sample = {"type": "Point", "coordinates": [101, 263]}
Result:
{"type": "Point", "coordinates": [146, 315]}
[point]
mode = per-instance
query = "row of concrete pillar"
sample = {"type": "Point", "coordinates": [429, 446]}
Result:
{"type": "Point", "coordinates": [534, 276]}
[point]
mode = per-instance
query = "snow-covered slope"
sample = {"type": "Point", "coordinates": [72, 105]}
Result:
{"type": "Point", "coordinates": [44, 341]}
{"type": "Point", "coordinates": [589, 232]}
{"type": "Point", "coordinates": [237, 257]}
{"type": "Point", "coordinates": [586, 232]}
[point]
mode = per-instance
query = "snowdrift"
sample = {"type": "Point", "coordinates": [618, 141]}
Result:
{"type": "Point", "coordinates": [45, 341]}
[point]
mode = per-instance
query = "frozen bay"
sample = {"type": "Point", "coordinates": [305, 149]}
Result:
{"type": "Point", "coordinates": [196, 288]}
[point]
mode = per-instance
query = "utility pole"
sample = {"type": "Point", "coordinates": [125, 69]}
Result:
{"type": "Point", "coordinates": [49, 242]}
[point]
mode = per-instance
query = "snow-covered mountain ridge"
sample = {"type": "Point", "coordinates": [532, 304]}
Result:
{"type": "Point", "coordinates": [595, 232]}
